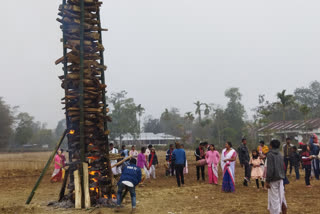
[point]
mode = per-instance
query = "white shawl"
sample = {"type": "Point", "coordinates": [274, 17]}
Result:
{"type": "Point", "coordinates": [229, 164]}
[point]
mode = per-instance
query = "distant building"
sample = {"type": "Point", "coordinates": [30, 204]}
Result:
{"type": "Point", "coordinates": [146, 138]}
{"type": "Point", "coordinates": [298, 129]}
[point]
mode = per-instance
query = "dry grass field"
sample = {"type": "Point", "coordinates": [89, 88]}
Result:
{"type": "Point", "coordinates": [22, 164]}
{"type": "Point", "coordinates": [18, 173]}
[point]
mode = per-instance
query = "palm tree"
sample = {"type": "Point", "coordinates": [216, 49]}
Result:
{"type": "Point", "coordinates": [189, 116]}
{"type": "Point", "coordinates": [207, 109]}
{"type": "Point", "coordinates": [305, 110]}
{"type": "Point", "coordinates": [140, 110]}
{"type": "Point", "coordinates": [218, 119]}
{"type": "Point", "coordinates": [166, 114]}
{"type": "Point", "coordinates": [198, 109]}
{"type": "Point", "coordinates": [285, 101]}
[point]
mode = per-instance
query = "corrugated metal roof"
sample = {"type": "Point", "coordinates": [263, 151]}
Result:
{"type": "Point", "coordinates": [148, 136]}
{"type": "Point", "coordinates": [293, 125]}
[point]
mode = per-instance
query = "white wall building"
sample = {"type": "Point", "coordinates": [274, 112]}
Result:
{"type": "Point", "coordinates": [146, 138]}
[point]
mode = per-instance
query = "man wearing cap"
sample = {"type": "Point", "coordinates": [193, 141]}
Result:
{"type": "Point", "coordinates": [244, 160]}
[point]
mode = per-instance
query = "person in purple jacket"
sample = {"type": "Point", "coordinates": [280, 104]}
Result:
{"type": "Point", "coordinates": [142, 164]}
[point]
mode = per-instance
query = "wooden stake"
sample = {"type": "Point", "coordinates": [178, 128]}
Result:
{"type": "Point", "coordinates": [121, 162]}
{"type": "Point", "coordinates": [87, 201]}
{"type": "Point", "coordinates": [64, 184]}
{"type": "Point", "coordinates": [78, 192]}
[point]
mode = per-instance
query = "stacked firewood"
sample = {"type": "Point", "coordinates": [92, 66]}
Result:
{"type": "Point", "coordinates": [93, 92]}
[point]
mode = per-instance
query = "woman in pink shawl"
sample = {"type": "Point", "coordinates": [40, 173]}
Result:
{"type": "Point", "coordinates": [59, 164]}
{"type": "Point", "coordinates": [212, 159]}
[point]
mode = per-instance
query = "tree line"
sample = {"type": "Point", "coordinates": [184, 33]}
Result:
{"type": "Point", "coordinates": [207, 121]}
{"type": "Point", "coordinates": [216, 124]}
{"type": "Point", "coordinates": [19, 129]}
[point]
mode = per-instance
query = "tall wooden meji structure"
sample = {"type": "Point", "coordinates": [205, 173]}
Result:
{"type": "Point", "coordinates": [85, 104]}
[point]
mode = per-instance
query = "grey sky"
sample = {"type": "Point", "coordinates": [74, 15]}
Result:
{"type": "Point", "coordinates": [166, 53]}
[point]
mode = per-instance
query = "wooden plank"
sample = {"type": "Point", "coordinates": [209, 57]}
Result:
{"type": "Point", "coordinates": [77, 189]}
{"type": "Point", "coordinates": [64, 184]}
{"type": "Point", "coordinates": [121, 162]}
{"type": "Point", "coordinates": [87, 201]}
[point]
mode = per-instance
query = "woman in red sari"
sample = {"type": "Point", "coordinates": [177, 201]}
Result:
{"type": "Point", "coordinates": [59, 164]}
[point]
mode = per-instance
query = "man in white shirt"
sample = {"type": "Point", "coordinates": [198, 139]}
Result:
{"type": "Point", "coordinates": [148, 152]}
{"type": "Point", "coordinates": [113, 150]}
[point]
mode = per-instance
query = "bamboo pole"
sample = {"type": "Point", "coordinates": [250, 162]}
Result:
{"type": "Point", "coordinates": [109, 171]}
{"type": "Point", "coordinates": [102, 73]}
{"type": "Point", "coordinates": [81, 92]}
{"type": "Point", "coordinates": [81, 86]}
{"type": "Point", "coordinates": [65, 72]}
{"type": "Point", "coordinates": [121, 162]}
{"type": "Point", "coordinates": [46, 167]}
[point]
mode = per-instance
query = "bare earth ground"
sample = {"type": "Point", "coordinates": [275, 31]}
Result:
{"type": "Point", "coordinates": [158, 196]}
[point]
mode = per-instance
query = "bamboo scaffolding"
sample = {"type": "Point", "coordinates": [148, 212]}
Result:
{"type": "Point", "coordinates": [65, 73]}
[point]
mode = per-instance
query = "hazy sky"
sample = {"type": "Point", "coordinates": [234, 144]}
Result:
{"type": "Point", "coordinates": [166, 53]}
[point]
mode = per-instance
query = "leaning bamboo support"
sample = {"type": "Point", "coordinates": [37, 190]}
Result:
{"type": "Point", "coordinates": [121, 162]}
{"type": "Point", "coordinates": [46, 168]}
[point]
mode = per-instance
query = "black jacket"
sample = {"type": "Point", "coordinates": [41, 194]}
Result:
{"type": "Point", "coordinates": [243, 154]}
{"type": "Point", "coordinates": [197, 154]}
{"type": "Point", "coordinates": [295, 159]}
{"type": "Point", "coordinates": [155, 159]}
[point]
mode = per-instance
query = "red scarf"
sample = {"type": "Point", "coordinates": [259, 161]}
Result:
{"type": "Point", "coordinates": [170, 155]}
{"type": "Point", "coordinates": [150, 162]}
{"type": "Point", "coordinates": [201, 152]}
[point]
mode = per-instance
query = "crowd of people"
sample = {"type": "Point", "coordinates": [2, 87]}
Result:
{"type": "Point", "coordinates": [266, 166]}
